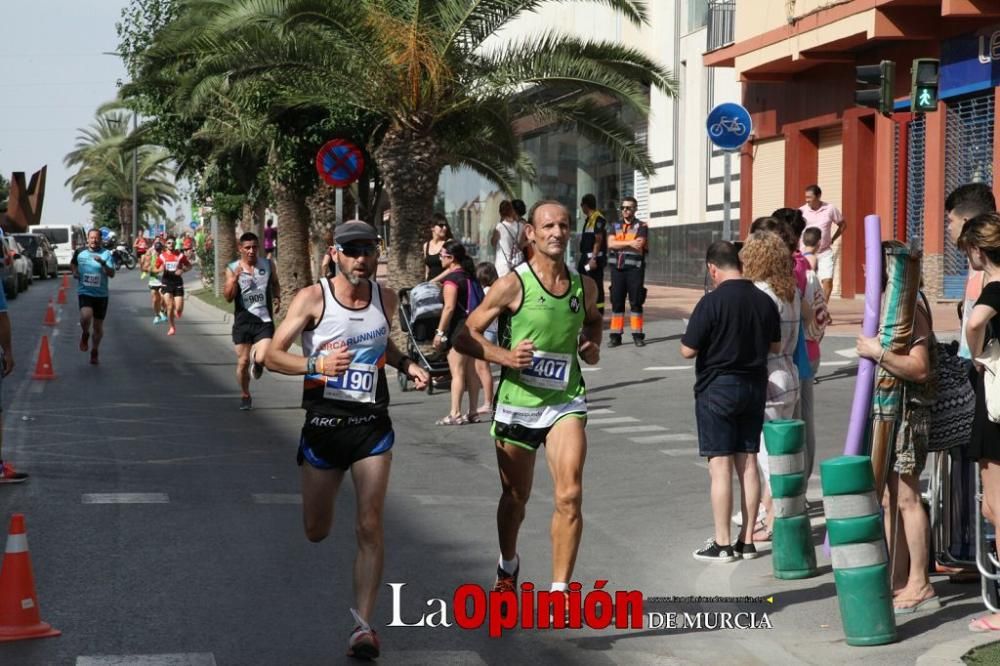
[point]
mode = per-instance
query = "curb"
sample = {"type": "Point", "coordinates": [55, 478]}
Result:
{"type": "Point", "coordinates": [951, 652]}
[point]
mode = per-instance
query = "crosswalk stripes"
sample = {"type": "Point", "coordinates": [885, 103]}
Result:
{"type": "Point", "coordinates": [625, 430]}
{"type": "Point", "coordinates": [177, 659]}
{"type": "Point", "coordinates": [125, 498]}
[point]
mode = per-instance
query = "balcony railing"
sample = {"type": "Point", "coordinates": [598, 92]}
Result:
{"type": "Point", "coordinates": [721, 23]}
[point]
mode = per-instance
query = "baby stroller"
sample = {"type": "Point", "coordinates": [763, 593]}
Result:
{"type": "Point", "coordinates": [419, 312]}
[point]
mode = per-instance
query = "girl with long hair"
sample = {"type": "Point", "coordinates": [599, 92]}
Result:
{"type": "Point", "coordinates": [768, 263]}
{"type": "Point", "coordinates": [440, 233]}
{"type": "Point", "coordinates": [462, 292]}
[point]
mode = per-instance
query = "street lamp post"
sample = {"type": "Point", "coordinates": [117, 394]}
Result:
{"type": "Point", "coordinates": [135, 182]}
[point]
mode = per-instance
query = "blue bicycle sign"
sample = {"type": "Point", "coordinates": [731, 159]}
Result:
{"type": "Point", "coordinates": [729, 126]}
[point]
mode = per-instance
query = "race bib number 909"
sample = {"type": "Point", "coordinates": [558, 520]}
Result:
{"type": "Point", "coordinates": [357, 384]}
{"type": "Point", "coordinates": [548, 370]}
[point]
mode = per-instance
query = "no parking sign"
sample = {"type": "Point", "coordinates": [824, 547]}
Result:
{"type": "Point", "coordinates": [340, 162]}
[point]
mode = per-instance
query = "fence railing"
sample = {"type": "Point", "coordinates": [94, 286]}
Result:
{"type": "Point", "coordinates": [721, 23]}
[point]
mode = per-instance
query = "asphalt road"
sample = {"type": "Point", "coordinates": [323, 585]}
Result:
{"type": "Point", "coordinates": [163, 521]}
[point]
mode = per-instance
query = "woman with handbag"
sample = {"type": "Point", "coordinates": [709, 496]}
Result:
{"type": "Point", "coordinates": [980, 240]}
{"type": "Point", "coordinates": [906, 524]}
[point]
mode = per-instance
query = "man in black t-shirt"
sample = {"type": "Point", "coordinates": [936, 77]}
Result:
{"type": "Point", "coordinates": [730, 333]}
{"type": "Point", "coordinates": [593, 242]}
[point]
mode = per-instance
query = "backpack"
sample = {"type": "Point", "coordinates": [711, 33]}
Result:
{"type": "Point", "coordinates": [475, 294]}
{"type": "Point", "coordinates": [516, 256]}
{"type": "Point", "coordinates": [815, 302]}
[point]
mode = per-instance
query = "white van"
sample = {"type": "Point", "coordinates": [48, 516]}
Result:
{"type": "Point", "coordinates": [65, 239]}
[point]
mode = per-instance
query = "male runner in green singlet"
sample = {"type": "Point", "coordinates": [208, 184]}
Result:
{"type": "Point", "coordinates": [553, 319]}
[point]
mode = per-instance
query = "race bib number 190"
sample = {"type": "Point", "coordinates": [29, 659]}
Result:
{"type": "Point", "coordinates": [548, 370]}
{"type": "Point", "coordinates": [357, 384]}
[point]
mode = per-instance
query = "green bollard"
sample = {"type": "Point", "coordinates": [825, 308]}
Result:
{"type": "Point", "coordinates": [857, 548]}
{"type": "Point", "coordinates": [792, 552]}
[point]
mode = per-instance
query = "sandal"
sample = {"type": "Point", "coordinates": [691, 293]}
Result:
{"type": "Point", "coordinates": [762, 534]}
{"type": "Point", "coordinates": [930, 603]}
{"type": "Point", "coordinates": [484, 410]}
{"type": "Point", "coordinates": [982, 625]}
{"type": "Point", "coordinates": [472, 417]}
{"type": "Point", "coordinates": [451, 421]}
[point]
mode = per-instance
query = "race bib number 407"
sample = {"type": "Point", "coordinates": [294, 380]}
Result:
{"type": "Point", "coordinates": [548, 370]}
{"type": "Point", "coordinates": [357, 384]}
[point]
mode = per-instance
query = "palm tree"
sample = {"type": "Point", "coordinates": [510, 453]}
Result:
{"type": "Point", "coordinates": [445, 92]}
{"type": "Point", "coordinates": [104, 169]}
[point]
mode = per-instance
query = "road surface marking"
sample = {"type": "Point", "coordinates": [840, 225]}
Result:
{"type": "Point", "coordinates": [602, 410]}
{"type": "Point", "coordinates": [612, 420]}
{"type": "Point", "coordinates": [624, 430]}
{"type": "Point", "coordinates": [589, 369]}
{"type": "Point", "coordinates": [125, 498]}
{"type": "Point", "coordinates": [277, 498]}
{"type": "Point", "coordinates": [454, 500]}
{"type": "Point", "coordinates": [180, 659]}
{"type": "Point", "coordinates": [667, 437]}
{"type": "Point", "coordinates": [847, 353]}
{"type": "Point", "coordinates": [439, 657]}
{"type": "Point", "coordinates": [679, 452]}
{"type": "Point", "coordinates": [655, 368]}
{"type": "Point", "coordinates": [826, 363]}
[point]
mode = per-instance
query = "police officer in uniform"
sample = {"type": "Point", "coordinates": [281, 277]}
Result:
{"type": "Point", "coordinates": [627, 250]}
{"type": "Point", "coordinates": [593, 241]}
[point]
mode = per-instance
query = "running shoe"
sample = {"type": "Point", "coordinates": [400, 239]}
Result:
{"type": "Point", "coordinates": [713, 552]}
{"type": "Point", "coordinates": [84, 341]}
{"type": "Point", "coordinates": [93, 357]}
{"type": "Point", "coordinates": [9, 475]}
{"type": "Point", "coordinates": [246, 403]}
{"type": "Point", "coordinates": [171, 331]}
{"type": "Point", "coordinates": [156, 319]}
{"type": "Point", "coordinates": [363, 643]}
{"type": "Point", "coordinates": [256, 369]}
{"type": "Point", "coordinates": [506, 582]}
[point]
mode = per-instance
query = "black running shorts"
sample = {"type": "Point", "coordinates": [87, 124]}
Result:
{"type": "Point", "coordinates": [337, 442]}
{"type": "Point", "coordinates": [98, 305]}
{"type": "Point", "coordinates": [250, 333]}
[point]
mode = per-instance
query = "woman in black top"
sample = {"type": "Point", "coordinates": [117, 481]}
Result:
{"type": "Point", "coordinates": [440, 233]}
{"type": "Point", "coordinates": [458, 281]}
{"type": "Point", "coordinates": [980, 240]}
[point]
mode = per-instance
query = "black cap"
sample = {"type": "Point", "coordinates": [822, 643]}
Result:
{"type": "Point", "coordinates": [354, 230]}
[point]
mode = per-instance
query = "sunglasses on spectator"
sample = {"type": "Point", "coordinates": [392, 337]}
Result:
{"type": "Point", "coordinates": [628, 207]}
{"type": "Point", "coordinates": [440, 224]}
{"type": "Point", "coordinates": [358, 250]}
{"type": "Point", "coordinates": [445, 255]}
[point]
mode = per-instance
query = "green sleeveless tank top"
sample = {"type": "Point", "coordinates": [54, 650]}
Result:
{"type": "Point", "coordinates": [553, 324]}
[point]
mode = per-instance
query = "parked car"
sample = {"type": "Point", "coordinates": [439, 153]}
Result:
{"type": "Point", "coordinates": [65, 239]}
{"type": "Point", "coordinates": [17, 268]}
{"type": "Point", "coordinates": [43, 257]}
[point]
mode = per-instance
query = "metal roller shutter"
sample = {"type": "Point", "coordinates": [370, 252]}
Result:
{"type": "Point", "coordinates": [968, 159]}
{"type": "Point", "coordinates": [830, 178]}
{"type": "Point", "coordinates": [768, 176]}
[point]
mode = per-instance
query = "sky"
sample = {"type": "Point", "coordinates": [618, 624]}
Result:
{"type": "Point", "coordinates": [53, 77]}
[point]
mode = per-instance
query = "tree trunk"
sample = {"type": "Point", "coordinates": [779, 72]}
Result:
{"type": "Point", "coordinates": [259, 213]}
{"type": "Point", "coordinates": [294, 271]}
{"type": "Point", "coordinates": [409, 164]}
{"type": "Point", "coordinates": [226, 241]}
{"type": "Point", "coordinates": [322, 218]}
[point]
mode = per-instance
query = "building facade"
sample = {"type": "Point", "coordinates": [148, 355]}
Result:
{"type": "Point", "coordinates": [796, 62]}
{"type": "Point", "coordinates": [683, 199]}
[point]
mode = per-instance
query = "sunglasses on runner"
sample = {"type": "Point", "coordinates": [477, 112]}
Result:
{"type": "Point", "coordinates": [354, 250]}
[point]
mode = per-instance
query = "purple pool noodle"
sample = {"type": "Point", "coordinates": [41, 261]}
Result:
{"type": "Point", "coordinates": [861, 407]}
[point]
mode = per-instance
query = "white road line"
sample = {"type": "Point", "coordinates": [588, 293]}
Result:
{"type": "Point", "coordinates": [277, 498]}
{"type": "Point", "coordinates": [673, 453]}
{"type": "Point", "coordinates": [655, 368]}
{"type": "Point", "coordinates": [439, 657]}
{"type": "Point", "coordinates": [589, 369]}
{"type": "Point", "coordinates": [826, 363]}
{"type": "Point", "coordinates": [179, 659]}
{"type": "Point", "coordinates": [668, 437]}
{"type": "Point", "coordinates": [612, 420]}
{"type": "Point", "coordinates": [602, 410]}
{"type": "Point", "coordinates": [851, 352]}
{"type": "Point", "coordinates": [624, 430]}
{"type": "Point", "coordinates": [125, 498]}
{"type": "Point", "coordinates": [453, 500]}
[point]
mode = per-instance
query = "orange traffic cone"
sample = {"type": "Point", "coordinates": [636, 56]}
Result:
{"type": "Point", "coordinates": [65, 283]}
{"type": "Point", "coordinates": [50, 315]}
{"type": "Point", "coordinates": [61, 300]}
{"type": "Point", "coordinates": [19, 614]}
{"type": "Point", "coordinates": [43, 369]}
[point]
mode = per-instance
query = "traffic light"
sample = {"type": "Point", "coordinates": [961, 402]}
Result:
{"type": "Point", "coordinates": [874, 86]}
{"type": "Point", "coordinates": [924, 88]}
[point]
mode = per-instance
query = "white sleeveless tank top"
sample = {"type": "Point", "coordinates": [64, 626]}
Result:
{"type": "Point", "coordinates": [365, 331]}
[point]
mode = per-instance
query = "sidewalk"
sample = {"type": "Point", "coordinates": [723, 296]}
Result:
{"type": "Point", "coordinates": [677, 303]}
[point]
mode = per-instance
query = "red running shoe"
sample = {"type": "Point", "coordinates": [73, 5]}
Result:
{"type": "Point", "coordinates": [9, 475]}
{"type": "Point", "coordinates": [363, 643]}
